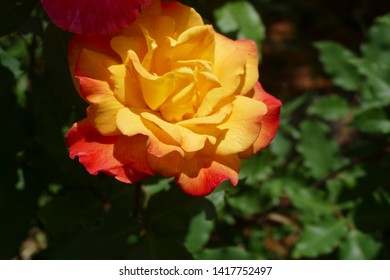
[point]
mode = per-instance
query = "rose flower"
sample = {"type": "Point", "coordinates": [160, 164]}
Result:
{"type": "Point", "coordinates": [93, 17]}
{"type": "Point", "coordinates": [169, 95]}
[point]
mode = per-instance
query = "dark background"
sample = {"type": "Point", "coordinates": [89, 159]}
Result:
{"type": "Point", "coordinates": [320, 191]}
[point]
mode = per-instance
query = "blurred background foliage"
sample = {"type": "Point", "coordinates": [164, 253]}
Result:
{"type": "Point", "coordinates": [320, 191]}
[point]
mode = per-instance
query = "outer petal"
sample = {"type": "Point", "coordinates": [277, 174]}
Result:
{"type": "Point", "coordinates": [242, 127]}
{"type": "Point", "coordinates": [201, 176]}
{"type": "Point", "coordinates": [91, 17]}
{"type": "Point", "coordinates": [236, 64]}
{"type": "Point", "coordinates": [269, 123]}
{"type": "Point", "coordinates": [119, 156]}
{"type": "Point", "coordinates": [185, 17]}
{"type": "Point", "coordinates": [198, 174]}
{"type": "Point", "coordinates": [92, 72]}
{"type": "Point", "coordinates": [100, 44]}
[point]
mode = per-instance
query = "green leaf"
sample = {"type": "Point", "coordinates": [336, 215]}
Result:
{"type": "Point", "coordinates": [155, 188]}
{"type": "Point", "coordinates": [359, 246]}
{"type": "Point", "coordinates": [372, 121]}
{"type": "Point", "coordinates": [319, 151]}
{"type": "Point", "coordinates": [199, 233]}
{"type": "Point", "coordinates": [311, 201]}
{"type": "Point", "coordinates": [256, 168]}
{"type": "Point", "coordinates": [320, 238]}
{"type": "Point", "coordinates": [376, 49]}
{"type": "Point", "coordinates": [289, 108]}
{"type": "Point", "coordinates": [10, 62]}
{"type": "Point", "coordinates": [256, 244]}
{"type": "Point", "coordinates": [337, 62]}
{"type": "Point", "coordinates": [330, 108]}
{"type": "Point", "coordinates": [252, 200]}
{"type": "Point", "coordinates": [229, 18]}
{"type": "Point", "coordinates": [217, 197]}
{"type": "Point", "coordinates": [281, 147]}
{"type": "Point", "coordinates": [224, 253]}
{"type": "Point", "coordinates": [376, 89]}
{"type": "Point", "coordinates": [247, 202]}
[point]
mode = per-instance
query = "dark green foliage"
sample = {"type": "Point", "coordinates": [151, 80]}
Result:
{"type": "Point", "coordinates": [81, 226]}
{"type": "Point", "coordinates": [230, 19]}
{"type": "Point", "coordinates": [319, 191]}
{"type": "Point", "coordinates": [14, 13]}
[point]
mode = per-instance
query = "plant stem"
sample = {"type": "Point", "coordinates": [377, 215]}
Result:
{"type": "Point", "coordinates": [137, 199]}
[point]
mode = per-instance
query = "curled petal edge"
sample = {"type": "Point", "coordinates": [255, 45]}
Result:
{"type": "Point", "coordinates": [269, 124]}
{"type": "Point", "coordinates": [119, 156]}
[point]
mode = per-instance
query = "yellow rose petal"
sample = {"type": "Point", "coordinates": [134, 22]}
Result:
{"type": "Point", "coordinates": [122, 44]}
{"type": "Point", "coordinates": [126, 86]}
{"type": "Point", "coordinates": [188, 140]}
{"type": "Point", "coordinates": [103, 114]}
{"type": "Point", "coordinates": [130, 123]}
{"type": "Point", "coordinates": [91, 70]}
{"type": "Point", "coordinates": [236, 64]}
{"type": "Point", "coordinates": [185, 17]}
{"type": "Point", "coordinates": [243, 125]}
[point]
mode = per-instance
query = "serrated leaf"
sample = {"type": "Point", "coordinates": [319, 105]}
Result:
{"type": "Point", "coordinates": [320, 238]}
{"type": "Point", "coordinates": [289, 108]}
{"type": "Point", "coordinates": [307, 199]}
{"type": "Point", "coordinates": [217, 198]}
{"type": "Point", "coordinates": [359, 246]}
{"type": "Point", "coordinates": [376, 89]}
{"type": "Point", "coordinates": [248, 202]}
{"type": "Point", "coordinates": [372, 121]}
{"type": "Point", "coordinates": [11, 63]}
{"type": "Point", "coordinates": [256, 244]}
{"type": "Point", "coordinates": [330, 108]}
{"type": "Point", "coordinates": [318, 150]}
{"type": "Point", "coordinates": [337, 63]}
{"type": "Point", "coordinates": [256, 169]}
{"type": "Point", "coordinates": [281, 147]}
{"type": "Point", "coordinates": [230, 18]}
{"type": "Point", "coordinates": [198, 233]}
{"type": "Point", "coordinates": [379, 41]}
